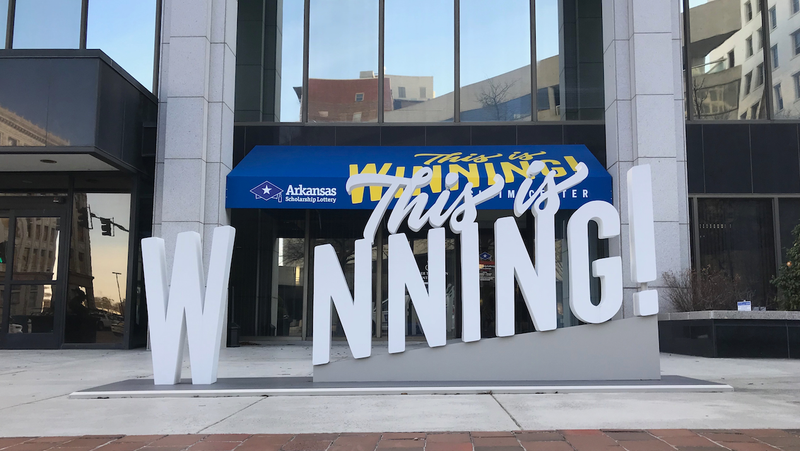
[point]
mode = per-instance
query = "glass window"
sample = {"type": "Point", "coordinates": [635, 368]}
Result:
{"type": "Point", "coordinates": [774, 53]}
{"type": "Point", "coordinates": [796, 41]}
{"type": "Point", "coordinates": [722, 60]}
{"type": "Point", "coordinates": [773, 18]}
{"type": "Point", "coordinates": [548, 56]}
{"type": "Point", "coordinates": [3, 23]}
{"type": "Point", "coordinates": [736, 238]}
{"type": "Point", "coordinates": [796, 78]}
{"type": "Point", "coordinates": [795, 6]}
{"type": "Point", "coordinates": [495, 60]}
{"type": "Point", "coordinates": [786, 67]}
{"type": "Point", "coordinates": [789, 219]}
{"type": "Point", "coordinates": [125, 30]}
{"type": "Point", "coordinates": [47, 24]}
{"type": "Point", "coordinates": [747, 79]}
{"type": "Point", "coordinates": [748, 12]}
{"type": "Point", "coordinates": [5, 251]}
{"type": "Point", "coordinates": [291, 62]}
{"type": "Point", "coordinates": [343, 60]}
{"type": "Point", "coordinates": [98, 268]}
{"type": "Point", "coordinates": [759, 75]}
{"type": "Point", "coordinates": [778, 98]}
{"type": "Point", "coordinates": [419, 59]}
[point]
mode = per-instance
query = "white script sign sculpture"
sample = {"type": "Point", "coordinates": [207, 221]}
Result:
{"type": "Point", "coordinates": [188, 305]}
{"type": "Point", "coordinates": [513, 263]}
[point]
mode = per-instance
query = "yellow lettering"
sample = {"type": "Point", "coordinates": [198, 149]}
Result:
{"type": "Point", "coordinates": [399, 172]}
{"type": "Point", "coordinates": [509, 169]}
{"type": "Point", "coordinates": [472, 174]}
{"type": "Point", "coordinates": [555, 165]}
{"type": "Point", "coordinates": [375, 192]}
{"type": "Point", "coordinates": [572, 163]}
{"type": "Point", "coordinates": [490, 173]}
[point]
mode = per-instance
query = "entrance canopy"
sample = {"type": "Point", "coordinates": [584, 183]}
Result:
{"type": "Point", "coordinates": [314, 177]}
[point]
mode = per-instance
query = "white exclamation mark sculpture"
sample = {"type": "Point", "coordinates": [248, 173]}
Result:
{"type": "Point", "coordinates": [642, 239]}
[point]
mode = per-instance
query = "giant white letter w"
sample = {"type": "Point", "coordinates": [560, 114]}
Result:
{"type": "Point", "coordinates": [187, 304]}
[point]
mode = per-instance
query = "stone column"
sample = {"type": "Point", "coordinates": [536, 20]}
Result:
{"type": "Point", "coordinates": [195, 120]}
{"type": "Point", "coordinates": [645, 125]}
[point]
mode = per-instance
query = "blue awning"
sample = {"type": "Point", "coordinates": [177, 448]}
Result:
{"type": "Point", "coordinates": [314, 177]}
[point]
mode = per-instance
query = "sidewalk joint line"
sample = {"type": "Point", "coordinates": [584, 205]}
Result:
{"type": "Point", "coordinates": [234, 413]}
{"type": "Point", "coordinates": [519, 427]}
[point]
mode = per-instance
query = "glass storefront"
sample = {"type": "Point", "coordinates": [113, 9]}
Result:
{"type": "Point", "coordinates": [736, 237]}
{"type": "Point", "coordinates": [442, 61]}
{"type": "Point", "coordinates": [281, 271]}
{"type": "Point", "coordinates": [98, 268]}
{"type": "Point", "coordinates": [64, 261]}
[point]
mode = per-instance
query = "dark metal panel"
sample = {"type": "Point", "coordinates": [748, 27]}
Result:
{"type": "Point", "coordinates": [694, 159]}
{"type": "Point", "coordinates": [726, 153]}
{"type": "Point", "coordinates": [776, 165]}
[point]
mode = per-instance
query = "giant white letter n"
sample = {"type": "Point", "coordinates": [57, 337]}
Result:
{"type": "Point", "coordinates": [187, 305]}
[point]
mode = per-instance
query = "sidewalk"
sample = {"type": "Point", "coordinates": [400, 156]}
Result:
{"type": "Point", "coordinates": [580, 440]}
{"type": "Point", "coordinates": [35, 385]}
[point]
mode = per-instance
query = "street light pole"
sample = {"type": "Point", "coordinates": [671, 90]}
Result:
{"type": "Point", "coordinates": [119, 292]}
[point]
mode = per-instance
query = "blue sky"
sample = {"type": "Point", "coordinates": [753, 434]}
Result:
{"type": "Point", "coordinates": [418, 40]}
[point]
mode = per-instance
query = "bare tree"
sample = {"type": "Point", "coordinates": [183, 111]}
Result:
{"type": "Point", "coordinates": [495, 98]}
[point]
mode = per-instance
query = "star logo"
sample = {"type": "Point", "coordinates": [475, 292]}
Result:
{"type": "Point", "coordinates": [268, 191]}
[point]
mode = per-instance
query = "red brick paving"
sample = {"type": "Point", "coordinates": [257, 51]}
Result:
{"type": "Point", "coordinates": [569, 440]}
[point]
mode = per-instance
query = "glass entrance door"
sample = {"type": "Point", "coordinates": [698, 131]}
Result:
{"type": "Point", "coordinates": [31, 247]}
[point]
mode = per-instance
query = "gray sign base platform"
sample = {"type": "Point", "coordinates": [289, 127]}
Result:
{"type": "Point", "coordinates": [305, 386]}
{"type": "Point", "coordinates": [619, 350]}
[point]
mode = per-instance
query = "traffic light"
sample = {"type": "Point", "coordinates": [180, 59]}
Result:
{"type": "Point", "coordinates": [105, 226]}
{"type": "Point", "coordinates": [83, 217]}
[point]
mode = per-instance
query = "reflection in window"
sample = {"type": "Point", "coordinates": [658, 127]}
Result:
{"type": "Point", "coordinates": [747, 79]}
{"type": "Point", "coordinates": [547, 61]}
{"type": "Point", "coordinates": [3, 23]}
{"type": "Point", "coordinates": [759, 75]}
{"type": "Point", "coordinates": [796, 42]}
{"type": "Point", "coordinates": [32, 309]}
{"type": "Point", "coordinates": [495, 61]}
{"type": "Point", "coordinates": [96, 293]}
{"type": "Point", "coordinates": [125, 30]}
{"type": "Point", "coordinates": [783, 61]}
{"type": "Point", "coordinates": [291, 61]}
{"type": "Point", "coordinates": [720, 89]}
{"type": "Point", "coordinates": [419, 59]}
{"type": "Point", "coordinates": [47, 24]}
{"type": "Point", "coordinates": [343, 61]}
{"type": "Point", "coordinates": [778, 98]}
{"type": "Point", "coordinates": [774, 53]}
{"type": "Point", "coordinates": [773, 18]}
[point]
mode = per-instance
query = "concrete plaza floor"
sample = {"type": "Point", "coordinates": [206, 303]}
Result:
{"type": "Point", "coordinates": [35, 385]}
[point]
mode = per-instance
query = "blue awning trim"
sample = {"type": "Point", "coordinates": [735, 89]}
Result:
{"type": "Point", "coordinates": [314, 177]}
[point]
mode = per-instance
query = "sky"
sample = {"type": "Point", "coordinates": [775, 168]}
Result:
{"type": "Point", "coordinates": [418, 40]}
{"type": "Point", "coordinates": [109, 253]}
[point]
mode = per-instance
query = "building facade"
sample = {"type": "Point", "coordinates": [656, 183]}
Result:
{"type": "Point", "coordinates": [122, 119]}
